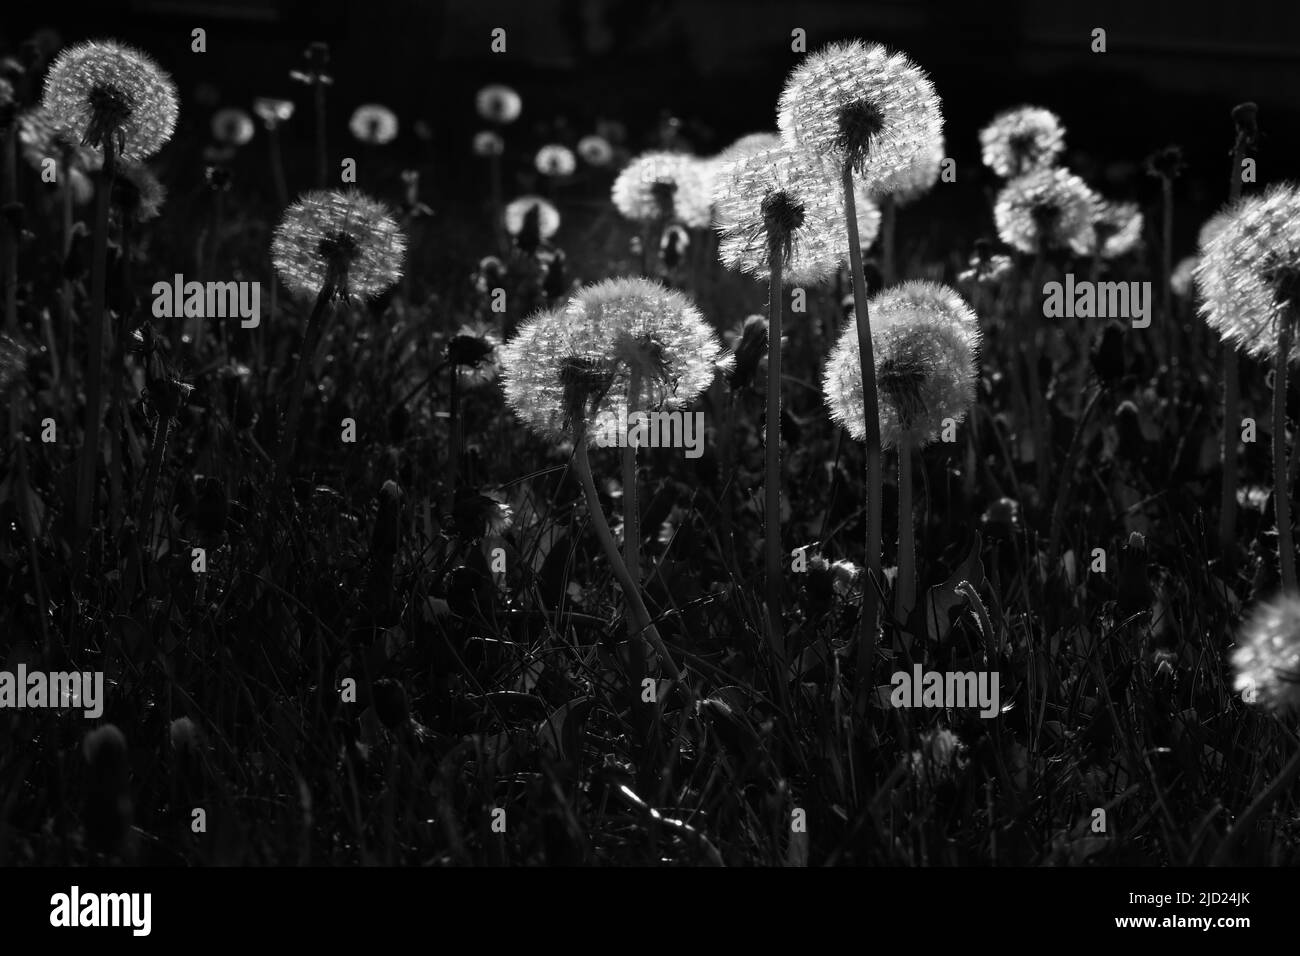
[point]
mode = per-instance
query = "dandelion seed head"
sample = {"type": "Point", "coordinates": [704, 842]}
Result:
{"type": "Point", "coordinates": [41, 138]}
{"type": "Point", "coordinates": [577, 362]}
{"type": "Point", "coordinates": [660, 185]}
{"type": "Point", "coordinates": [555, 159]}
{"type": "Point", "coordinates": [1051, 207]}
{"type": "Point", "coordinates": [1022, 140]}
{"type": "Point", "coordinates": [859, 103]}
{"type": "Point", "coordinates": [1249, 271]}
{"type": "Point", "coordinates": [101, 88]}
{"type": "Point", "coordinates": [1212, 227]}
{"type": "Point", "coordinates": [373, 123]}
{"type": "Point", "coordinates": [746, 146]}
{"type": "Point", "coordinates": [232, 127]}
{"type": "Point", "coordinates": [595, 150]}
{"type": "Point", "coordinates": [771, 193]}
{"type": "Point", "coordinates": [1118, 228]}
{"type": "Point", "coordinates": [488, 143]}
{"type": "Point", "coordinates": [1266, 660]}
{"type": "Point", "coordinates": [498, 103]}
{"type": "Point", "coordinates": [1183, 276]}
{"type": "Point", "coordinates": [473, 353]}
{"type": "Point", "coordinates": [517, 210]}
{"type": "Point", "coordinates": [137, 192]}
{"type": "Point", "coordinates": [925, 339]}
{"type": "Point", "coordinates": [339, 237]}
{"type": "Point", "coordinates": [913, 180]}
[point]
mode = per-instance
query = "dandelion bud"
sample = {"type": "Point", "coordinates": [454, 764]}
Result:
{"type": "Point", "coordinates": [272, 112]}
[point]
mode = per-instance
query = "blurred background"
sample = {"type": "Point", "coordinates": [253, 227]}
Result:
{"type": "Point", "coordinates": [698, 73]}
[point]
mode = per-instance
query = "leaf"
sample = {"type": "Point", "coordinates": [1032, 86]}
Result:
{"type": "Point", "coordinates": [560, 734]}
{"type": "Point", "coordinates": [942, 598]}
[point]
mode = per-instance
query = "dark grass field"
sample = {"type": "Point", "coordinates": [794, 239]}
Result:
{"type": "Point", "coordinates": [375, 668]}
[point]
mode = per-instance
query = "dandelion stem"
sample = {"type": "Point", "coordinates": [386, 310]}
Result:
{"type": "Point", "coordinates": [631, 508]}
{"type": "Point", "coordinates": [457, 430]}
{"type": "Point", "coordinates": [871, 414]}
{"type": "Point", "coordinates": [95, 352]}
{"type": "Point", "coordinates": [905, 590]}
{"type": "Point", "coordinates": [144, 523]}
{"type": "Point", "coordinates": [631, 593]}
{"type": "Point", "coordinates": [310, 337]}
{"type": "Point", "coordinates": [1281, 489]}
{"type": "Point", "coordinates": [1167, 250]}
{"type": "Point", "coordinates": [774, 579]}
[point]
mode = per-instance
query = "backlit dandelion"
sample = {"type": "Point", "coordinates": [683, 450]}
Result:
{"type": "Point", "coordinates": [231, 126]}
{"type": "Point", "coordinates": [1266, 660]}
{"type": "Point", "coordinates": [1022, 140]}
{"type": "Point", "coordinates": [1212, 227]}
{"type": "Point", "coordinates": [665, 187]}
{"type": "Point", "coordinates": [1184, 276]}
{"type": "Point", "coordinates": [488, 143]}
{"type": "Point", "coordinates": [910, 182]}
{"type": "Point", "coordinates": [373, 123]}
{"type": "Point", "coordinates": [99, 89]}
{"type": "Point", "coordinates": [341, 240]}
{"type": "Point", "coordinates": [774, 190]}
{"type": "Point", "coordinates": [498, 103]}
{"type": "Point", "coordinates": [40, 137]}
{"type": "Point", "coordinates": [595, 150]}
{"type": "Point", "coordinates": [1118, 228]}
{"type": "Point", "coordinates": [1249, 280]}
{"type": "Point", "coordinates": [1047, 209]}
{"type": "Point", "coordinates": [472, 351]}
{"type": "Point", "coordinates": [517, 212]}
{"type": "Point", "coordinates": [745, 147]}
{"type": "Point", "coordinates": [138, 193]}
{"type": "Point", "coordinates": [926, 338]}
{"type": "Point", "coordinates": [605, 333]}
{"type": "Point", "coordinates": [555, 160]}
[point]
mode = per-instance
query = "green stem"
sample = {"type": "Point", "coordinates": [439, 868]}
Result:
{"type": "Point", "coordinates": [875, 477]}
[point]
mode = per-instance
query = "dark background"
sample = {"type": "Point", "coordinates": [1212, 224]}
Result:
{"type": "Point", "coordinates": [1172, 72]}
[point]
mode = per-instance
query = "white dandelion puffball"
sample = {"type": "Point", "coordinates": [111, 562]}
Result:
{"type": "Point", "coordinates": [555, 160]}
{"type": "Point", "coordinates": [341, 238]}
{"type": "Point", "coordinates": [373, 123]}
{"type": "Point", "coordinates": [670, 186]}
{"type": "Point", "coordinates": [1050, 208]}
{"type": "Point", "coordinates": [912, 181]}
{"type": "Point", "coordinates": [1266, 660]}
{"type": "Point", "coordinates": [1119, 227]}
{"type": "Point", "coordinates": [595, 150]}
{"type": "Point", "coordinates": [925, 339]}
{"type": "Point", "coordinates": [1249, 273]}
{"type": "Point", "coordinates": [1022, 140]}
{"type": "Point", "coordinates": [578, 361]}
{"type": "Point", "coordinates": [860, 104]}
{"type": "Point", "coordinates": [232, 126]}
{"type": "Point", "coordinates": [498, 103]}
{"type": "Point", "coordinates": [548, 217]}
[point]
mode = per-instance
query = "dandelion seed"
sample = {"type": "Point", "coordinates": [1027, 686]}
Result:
{"type": "Point", "coordinates": [925, 338]}
{"type": "Point", "coordinates": [341, 239]}
{"type": "Point", "coordinates": [1250, 269]}
{"type": "Point", "coordinates": [488, 143]}
{"type": "Point", "coordinates": [555, 160]}
{"type": "Point", "coordinates": [860, 104]}
{"type": "Point", "coordinates": [99, 89]}
{"type": "Point", "coordinates": [1021, 141]}
{"type": "Point", "coordinates": [1267, 657]}
{"type": "Point", "coordinates": [498, 103]}
{"type": "Point", "coordinates": [373, 123]}
{"type": "Point", "coordinates": [595, 150]}
{"type": "Point", "coordinates": [574, 366]}
{"type": "Point", "coordinates": [232, 127]}
{"type": "Point", "coordinates": [667, 186]}
{"type": "Point", "coordinates": [518, 210]}
{"type": "Point", "coordinates": [1047, 209]}
{"type": "Point", "coordinates": [272, 112]}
